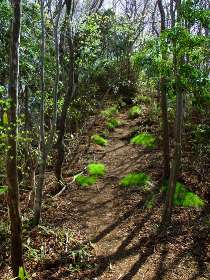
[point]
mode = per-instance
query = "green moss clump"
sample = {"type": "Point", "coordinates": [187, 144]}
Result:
{"type": "Point", "coordinates": [96, 169]}
{"type": "Point", "coordinates": [85, 181]}
{"type": "Point", "coordinates": [144, 139]}
{"type": "Point", "coordinates": [99, 140]}
{"type": "Point", "coordinates": [109, 112]}
{"type": "Point", "coordinates": [112, 124]}
{"type": "Point", "coordinates": [183, 197]}
{"type": "Point", "coordinates": [135, 180]}
{"type": "Point", "coordinates": [134, 112]}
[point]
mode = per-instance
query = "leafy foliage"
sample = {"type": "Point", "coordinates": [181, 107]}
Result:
{"type": "Point", "coordinates": [112, 123]}
{"type": "Point", "coordinates": [144, 139]}
{"type": "Point", "coordinates": [109, 112]}
{"type": "Point", "coordinates": [183, 197]}
{"type": "Point", "coordinates": [135, 180]}
{"type": "Point", "coordinates": [85, 181]}
{"type": "Point", "coordinates": [142, 99]}
{"type": "Point", "coordinates": [3, 190]}
{"type": "Point", "coordinates": [96, 169]}
{"type": "Point", "coordinates": [134, 112]}
{"type": "Point", "coordinates": [151, 201]}
{"type": "Point", "coordinates": [99, 140]}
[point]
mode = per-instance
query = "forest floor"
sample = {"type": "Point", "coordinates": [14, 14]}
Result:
{"type": "Point", "coordinates": [113, 232]}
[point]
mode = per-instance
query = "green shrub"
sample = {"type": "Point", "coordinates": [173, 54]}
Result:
{"type": "Point", "coordinates": [183, 197]}
{"type": "Point", "coordinates": [192, 200]}
{"type": "Point", "coordinates": [3, 189]}
{"type": "Point", "coordinates": [151, 202]}
{"type": "Point", "coordinates": [96, 169]}
{"type": "Point", "coordinates": [112, 124]}
{"type": "Point", "coordinates": [142, 99]}
{"type": "Point", "coordinates": [134, 112]}
{"type": "Point", "coordinates": [99, 140]}
{"type": "Point", "coordinates": [135, 180]}
{"type": "Point", "coordinates": [109, 112]}
{"type": "Point", "coordinates": [144, 139]}
{"type": "Point", "coordinates": [85, 181]}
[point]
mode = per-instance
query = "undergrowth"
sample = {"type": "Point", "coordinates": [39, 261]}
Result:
{"type": "Point", "coordinates": [3, 189]}
{"type": "Point", "coordinates": [142, 99]}
{"type": "Point", "coordinates": [85, 181]}
{"type": "Point", "coordinates": [135, 180]}
{"type": "Point", "coordinates": [134, 112]}
{"type": "Point", "coordinates": [109, 112]}
{"type": "Point", "coordinates": [96, 169]}
{"type": "Point", "coordinates": [99, 140]}
{"type": "Point", "coordinates": [151, 201]}
{"type": "Point", "coordinates": [183, 197]}
{"type": "Point", "coordinates": [63, 241]}
{"type": "Point", "coordinates": [112, 123]}
{"type": "Point", "coordinates": [144, 139]}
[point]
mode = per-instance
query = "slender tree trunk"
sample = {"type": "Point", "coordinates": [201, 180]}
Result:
{"type": "Point", "coordinates": [42, 164]}
{"type": "Point", "coordinates": [12, 176]}
{"type": "Point", "coordinates": [57, 76]}
{"type": "Point", "coordinates": [67, 100]}
{"type": "Point", "coordinates": [176, 156]}
{"type": "Point", "coordinates": [164, 105]}
{"type": "Point", "coordinates": [165, 133]}
{"type": "Point", "coordinates": [178, 60]}
{"type": "Point", "coordinates": [46, 147]}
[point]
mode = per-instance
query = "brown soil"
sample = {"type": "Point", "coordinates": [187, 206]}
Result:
{"type": "Point", "coordinates": [123, 230]}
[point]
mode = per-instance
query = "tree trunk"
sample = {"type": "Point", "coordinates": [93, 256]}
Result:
{"type": "Point", "coordinates": [165, 132]}
{"type": "Point", "coordinates": [67, 100]}
{"type": "Point", "coordinates": [164, 105]}
{"type": "Point", "coordinates": [176, 156]}
{"type": "Point", "coordinates": [178, 61]}
{"type": "Point", "coordinates": [42, 164]}
{"type": "Point", "coordinates": [12, 176]}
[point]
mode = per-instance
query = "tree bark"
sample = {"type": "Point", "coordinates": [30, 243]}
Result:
{"type": "Point", "coordinates": [67, 100]}
{"type": "Point", "coordinates": [178, 61]}
{"type": "Point", "coordinates": [12, 176]}
{"type": "Point", "coordinates": [164, 105]}
{"type": "Point", "coordinates": [177, 154]}
{"type": "Point", "coordinates": [62, 121]}
{"type": "Point", "coordinates": [42, 164]}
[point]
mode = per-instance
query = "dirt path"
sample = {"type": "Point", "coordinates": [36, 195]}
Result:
{"type": "Point", "coordinates": [121, 226]}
